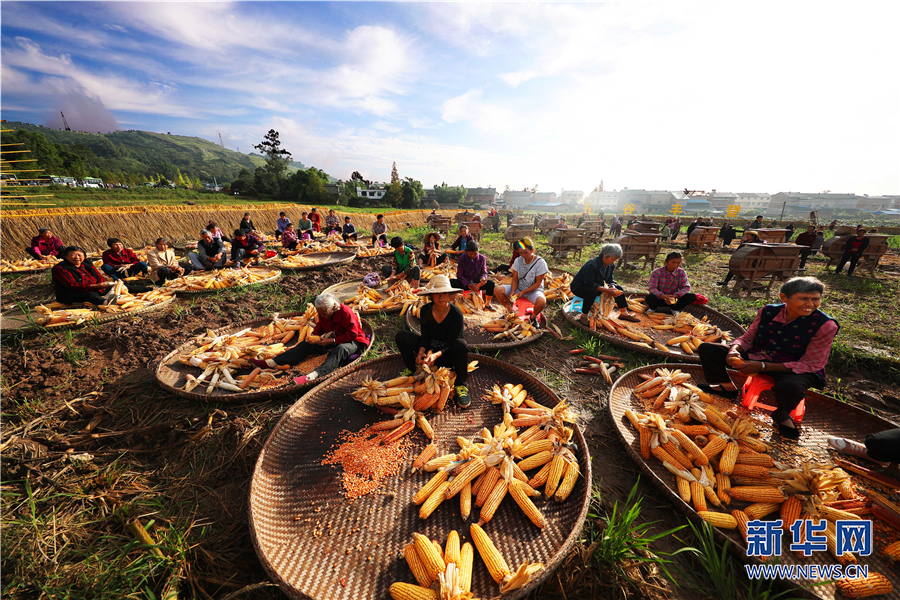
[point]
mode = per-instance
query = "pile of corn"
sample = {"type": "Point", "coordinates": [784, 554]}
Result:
{"type": "Point", "coordinates": [510, 327]}
{"type": "Point", "coordinates": [221, 356]}
{"type": "Point", "coordinates": [218, 280]}
{"type": "Point", "coordinates": [28, 264]}
{"type": "Point", "coordinates": [366, 252]}
{"type": "Point", "coordinates": [557, 288]}
{"type": "Point", "coordinates": [55, 314]}
{"type": "Point", "coordinates": [695, 331]}
{"type": "Point", "coordinates": [310, 247]}
{"type": "Point", "coordinates": [399, 295]}
{"type": "Point", "coordinates": [408, 397]}
{"type": "Point", "coordinates": [446, 573]}
{"type": "Point", "coordinates": [715, 461]}
{"type": "Point", "coordinates": [446, 268]}
{"type": "Point", "coordinates": [470, 303]}
{"type": "Point", "coordinates": [292, 262]}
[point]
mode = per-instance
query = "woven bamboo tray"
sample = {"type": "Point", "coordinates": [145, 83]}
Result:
{"type": "Point", "coordinates": [290, 485]}
{"type": "Point", "coordinates": [346, 290]}
{"type": "Point", "coordinates": [476, 337]}
{"type": "Point", "coordinates": [825, 416]}
{"type": "Point", "coordinates": [700, 311]}
{"type": "Point", "coordinates": [15, 320]}
{"type": "Point", "coordinates": [171, 374]}
{"type": "Point", "coordinates": [329, 259]}
{"type": "Point", "coordinates": [26, 271]}
{"type": "Point", "coordinates": [271, 279]}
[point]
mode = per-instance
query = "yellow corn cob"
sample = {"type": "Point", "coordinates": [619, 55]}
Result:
{"type": "Point", "coordinates": [568, 484]}
{"type": "Point", "coordinates": [833, 514]}
{"type": "Point", "coordinates": [487, 486]}
{"type": "Point", "coordinates": [423, 494]}
{"type": "Point", "coordinates": [465, 501]}
{"type": "Point", "coordinates": [875, 584]}
{"type": "Point", "coordinates": [717, 519]}
{"type": "Point", "coordinates": [439, 462]}
{"type": "Point", "coordinates": [723, 486]}
{"type": "Point", "coordinates": [541, 477]}
{"type": "Point", "coordinates": [684, 488]}
{"type": "Point", "coordinates": [696, 454]}
{"type": "Point", "coordinates": [531, 511]}
{"type": "Point", "coordinates": [663, 456]}
{"type": "Point", "coordinates": [741, 518]}
{"type": "Point", "coordinates": [757, 493]}
{"type": "Point", "coordinates": [429, 556]}
{"type": "Point", "coordinates": [692, 430]}
{"type": "Point", "coordinates": [451, 554]}
{"type": "Point", "coordinates": [892, 552]}
{"type": "Point", "coordinates": [493, 501]}
{"type": "Point", "coordinates": [831, 537]}
{"type": "Point", "coordinates": [698, 496]}
{"type": "Point", "coordinates": [492, 558]}
{"type": "Point", "coordinates": [535, 460]}
{"type": "Point", "coordinates": [408, 591]}
{"type": "Point", "coordinates": [846, 486]}
{"type": "Point", "coordinates": [434, 500]}
{"type": "Point", "coordinates": [644, 437]}
{"type": "Point", "coordinates": [535, 447]}
{"type": "Point", "coordinates": [790, 512]}
{"type": "Point", "coordinates": [716, 444]}
{"type": "Point", "coordinates": [678, 455]}
{"type": "Point", "coordinates": [557, 467]}
{"type": "Point", "coordinates": [426, 455]}
{"type": "Point", "coordinates": [759, 510]}
{"type": "Point", "coordinates": [416, 566]}
{"type": "Point", "coordinates": [466, 558]}
{"type": "Point", "coordinates": [729, 456]}
{"type": "Point", "coordinates": [748, 457]}
{"type": "Point", "coordinates": [473, 469]}
{"type": "Point", "coordinates": [741, 470]}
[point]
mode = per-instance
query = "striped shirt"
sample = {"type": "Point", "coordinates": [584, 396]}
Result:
{"type": "Point", "coordinates": [663, 282]}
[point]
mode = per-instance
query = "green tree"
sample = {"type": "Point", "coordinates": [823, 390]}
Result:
{"type": "Point", "coordinates": [245, 183]}
{"type": "Point", "coordinates": [450, 195]}
{"type": "Point", "coordinates": [393, 196]}
{"type": "Point", "coordinates": [395, 177]}
{"type": "Point", "coordinates": [269, 178]}
{"type": "Point", "coordinates": [411, 192]}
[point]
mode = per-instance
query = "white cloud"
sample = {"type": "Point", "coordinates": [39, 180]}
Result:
{"type": "Point", "coordinates": [518, 78]}
{"type": "Point", "coordinates": [485, 116]}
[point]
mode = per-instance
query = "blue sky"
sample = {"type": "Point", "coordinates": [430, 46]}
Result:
{"type": "Point", "coordinates": [742, 97]}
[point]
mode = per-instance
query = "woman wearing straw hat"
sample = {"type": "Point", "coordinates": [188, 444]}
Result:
{"type": "Point", "coordinates": [528, 272]}
{"type": "Point", "coordinates": [441, 343]}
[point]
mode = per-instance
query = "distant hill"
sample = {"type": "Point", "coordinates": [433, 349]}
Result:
{"type": "Point", "coordinates": [148, 153]}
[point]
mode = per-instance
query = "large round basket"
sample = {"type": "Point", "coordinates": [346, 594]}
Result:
{"type": "Point", "coordinates": [347, 290]}
{"type": "Point", "coordinates": [363, 554]}
{"type": "Point", "coordinates": [15, 319]}
{"type": "Point", "coordinates": [328, 259]}
{"type": "Point", "coordinates": [713, 317]}
{"type": "Point", "coordinates": [271, 279]}
{"type": "Point", "coordinates": [554, 272]}
{"type": "Point", "coordinates": [476, 337]}
{"type": "Point", "coordinates": [26, 271]}
{"type": "Point", "coordinates": [825, 416]}
{"type": "Point", "coordinates": [172, 375]}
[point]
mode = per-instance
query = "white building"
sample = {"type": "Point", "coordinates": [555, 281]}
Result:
{"type": "Point", "coordinates": [752, 201]}
{"type": "Point", "coordinates": [599, 201]}
{"type": "Point", "coordinates": [371, 193]}
{"type": "Point", "coordinates": [571, 197]}
{"type": "Point", "coordinates": [517, 199]}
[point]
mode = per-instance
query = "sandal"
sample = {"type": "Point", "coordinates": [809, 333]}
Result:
{"type": "Point", "coordinates": [718, 390]}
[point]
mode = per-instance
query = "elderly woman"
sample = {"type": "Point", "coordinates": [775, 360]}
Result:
{"type": "Point", "coordinates": [379, 230]}
{"type": "Point", "coordinates": [459, 246]}
{"type": "Point", "coordinates": [528, 272]}
{"type": "Point", "coordinates": [669, 286]}
{"type": "Point", "coordinates": [210, 253]}
{"type": "Point", "coordinates": [472, 274]}
{"type": "Point", "coordinates": [441, 343]}
{"type": "Point", "coordinates": [44, 244]}
{"type": "Point", "coordinates": [163, 264]}
{"type": "Point", "coordinates": [120, 261]}
{"type": "Point", "coordinates": [597, 277]}
{"type": "Point", "coordinates": [332, 222]}
{"type": "Point", "coordinates": [76, 280]}
{"type": "Point", "coordinates": [289, 238]}
{"type": "Point", "coordinates": [338, 333]}
{"type": "Point", "coordinates": [789, 342]}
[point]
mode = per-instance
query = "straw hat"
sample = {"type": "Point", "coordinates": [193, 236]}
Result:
{"type": "Point", "coordinates": [439, 284]}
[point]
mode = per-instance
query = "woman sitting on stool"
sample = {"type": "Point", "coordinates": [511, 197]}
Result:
{"type": "Point", "coordinates": [789, 342]}
{"type": "Point", "coordinates": [431, 250]}
{"type": "Point", "coordinates": [594, 277]}
{"type": "Point", "coordinates": [528, 272]}
{"type": "Point", "coordinates": [471, 274]}
{"type": "Point", "coordinates": [441, 343]}
{"type": "Point", "coordinates": [669, 286]}
{"type": "Point", "coordinates": [403, 265]}
{"type": "Point", "coordinates": [339, 334]}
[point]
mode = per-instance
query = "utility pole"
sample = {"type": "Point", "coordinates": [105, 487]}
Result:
{"type": "Point", "coordinates": [220, 141]}
{"type": "Point", "coordinates": [782, 211]}
{"type": "Point", "coordinates": [66, 125]}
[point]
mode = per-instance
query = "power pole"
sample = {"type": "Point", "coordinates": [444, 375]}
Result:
{"type": "Point", "coordinates": [220, 141]}
{"type": "Point", "coordinates": [66, 125]}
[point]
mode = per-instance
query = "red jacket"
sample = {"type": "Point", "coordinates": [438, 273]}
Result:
{"type": "Point", "coordinates": [127, 257]}
{"type": "Point", "coordinates": [345, 325]}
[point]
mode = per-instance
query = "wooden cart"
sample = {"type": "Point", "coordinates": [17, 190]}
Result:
{"type": "Point", "coordinates": [518, 231]}
{"type": "Point", "coordinates": [593, 230]}
{"type": "Point", "coordinates": [878, 246]}
{"type": "Point", "coordinates": [441, 224]}
{"type": "Point", "coordinates": [474, 228]}
{"type": "Point", "coordinates": [639, 245]}
{"type": "Point", "coordinates": [772, 236]}
{"type": "Point", "coordinates": [646, 227]}
{"type": "Point", "coordinates": [703, 237]}
{"type": "Point", "coordinates": [564, 241]}
{"type": "Point", "coordinates": [547, 225]}
{"type": "Point", "coordinates": [753, 264]}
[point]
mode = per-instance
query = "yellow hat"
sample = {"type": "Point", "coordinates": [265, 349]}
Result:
{"type": "Point", "coordinates": [525, 243]}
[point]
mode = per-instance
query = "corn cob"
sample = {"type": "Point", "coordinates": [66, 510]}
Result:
{"type": "Point", "coordinates": [535, 447]}
{"type": "Point", "coordinates": [790, 512]}
{"type": "Point", "coordinates": [760, 493]}
{"type": "Point", "coordinates": [416, 566]}
{"type": "Point", "coordinates": [474, 468]}
{"type": "Point", "coordinates": [845, 486]}
{"type": "Point", "coordinates": [442, 461]}
{"type": "Point", "coordinates": [465, 501]}
{"type": "Point", "coordinates": [741, 519]}
{"type": "Point", "coordinates": [758, 510]}
{"type": "Point", "coordinates": [434, 500]}
{"type": "Point", "coordinates": [568, 484]}
{"type": "Point", "coordinates": [748, 457]}
{"type": "Point", "coordinates": [698, 496]}
{"type": "Point", "coordinates": [684, 488]}
{"type": "Point", "coordinates": [466, 558]}
{"type": "Point", "coordinates": [423, 494]}
{"type": "Point", "coordinates": [408, 591]}
{"type": "Point", "coordinates": [541, 477]}
{"type": "Point", "coordinates": [451, 553]}
{"type": "Point", "coordinates": [831, 537]}
{"type": "Point", "coordinates": [557, 467]}
{"type": "Point", "coordinates": [692, 430]}
{"type": "Point", "coordinates": [892, 552]}
{"type": "Point", "coordinates": [758, 472]}
{"type": "Point", "coordinates": [723, 486]}
{"type": "Point", "coordinates": [663, 456]}
{"type": "Point", "coordinates": [729, 458]}
{"type": "Point", "coordinates": [696, 454]}
{"type": "Point", "coordinates": [716, 444]}
{"type": "Point", "coordinates": [678, 455]}
{"type": "Point", "coordinates": [493, 501]}
{"type": "Point", "coordinates": [875, 584]}
{"type": "Point", "coordinates": [487, 486]}
{"type": "Point", "coordinates": [535, 460]}
{"type": "Point", "coordinates": [644, 436]}
{"type": "Point", "coordinates": [834, 514]}
{"type": "Point", "coordinates": [492, 558]}
{"type": "Point", "coordinates": [429, 555]}
{"type": "Point", "coordinates": [516, 490]}
{"type": "Point", "coordinates": [426, 455]}
{"type": "Point", "coordinates": [717, 519]}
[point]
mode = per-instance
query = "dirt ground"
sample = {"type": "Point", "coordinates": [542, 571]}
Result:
{"type": "Point", "coordinates": [90, 443]}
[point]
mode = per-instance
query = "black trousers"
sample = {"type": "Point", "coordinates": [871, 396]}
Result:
{"type": "Point", "coordinates": [336, 355]}
{"type": "Point", "coordinates": [92, 297]}
{"type": "Point", "coordinates": [292, 246]}
{"type": "Point", "coordinates": [499, 269]}
{"type": "Point", "coordinates": [349, 236]}
{"type": "Point", "coordinates": [166, 273]}
{"type": "Point", "coordinates": [684, 301]}
{"type": "Point", "coordinates": [789, 388]}
{"type": "Point", "coordinates": [488, 286]}
{"type": "Point", "coordinates": [884, 446]}
{"type": "Point", "coordinates": [589, 295]}
{"type": "Point", "coordinates": [455, 357]}
{"type": "Point", "coordinates": [805, 254]}
{"type": "Point", "coordinates": [412, 275]}
{"type": "Point", "coordinates": [438, 260]}
{"type": "Point", "coordinates": [853, 258]}
{"type": "Point", "coordinates": [383, 236]}
{"type": "Point", "coordinates": [241, 255]}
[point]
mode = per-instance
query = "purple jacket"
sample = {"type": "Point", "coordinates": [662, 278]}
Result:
{"type": "Point", "coordinates": [470, 271]}
{"type": "Point", "coordinates": [51, 247]}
